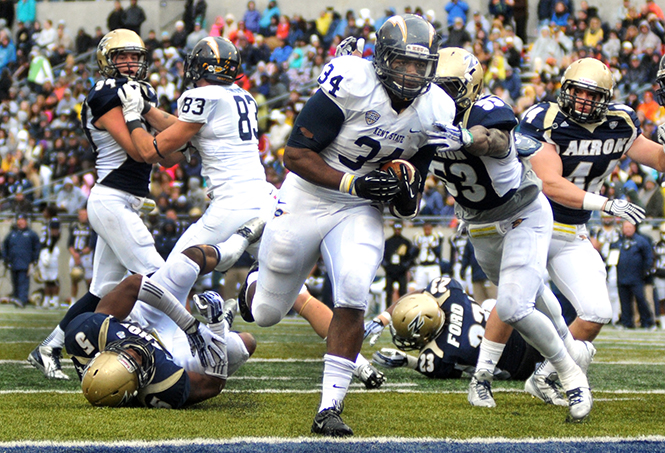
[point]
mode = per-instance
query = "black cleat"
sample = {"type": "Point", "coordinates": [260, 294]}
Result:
{"type": "Point", "coordinates": [244, 309]}
{"type": "Point", "coordinates": [329, 423]}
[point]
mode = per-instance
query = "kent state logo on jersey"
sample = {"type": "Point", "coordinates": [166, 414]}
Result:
{"type": "Point", "coordinates": [595, 147]}
{"type": "Point", "coordinates": [372, 117]}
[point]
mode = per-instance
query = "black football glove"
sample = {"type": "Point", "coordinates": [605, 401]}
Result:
{"type": "Point", "coordinates": [376, 185]}
{"type": "Point", "coordinates": [406, 201]}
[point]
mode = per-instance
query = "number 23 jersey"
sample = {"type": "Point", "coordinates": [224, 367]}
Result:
{"type": "Point", "coordinates": [227, 142]}
{"type": "Point", "coordinates": [589, 152]}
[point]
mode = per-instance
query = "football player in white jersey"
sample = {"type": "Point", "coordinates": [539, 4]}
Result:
{"type": "Point", "coordinates": [509, 223]}
{"type": "Point", "coordinates": [584, 135]}
{"type": "Point", "coordinates": [120, 193]}
{"type": "Point", "coordinates": [220, 119]}
{"type": "Point", "coordinates": [331, 203]}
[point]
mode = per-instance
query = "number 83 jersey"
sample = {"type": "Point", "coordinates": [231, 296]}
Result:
{"type": "Point", "coordinates": [227, 142]}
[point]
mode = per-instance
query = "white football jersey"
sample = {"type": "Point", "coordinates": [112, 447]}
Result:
{"type": "Point", "coordinates": [227, 142]}
{"type": "Point", "coordinates": [373, 132]}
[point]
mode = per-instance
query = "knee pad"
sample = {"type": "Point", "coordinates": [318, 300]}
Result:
{"type": "Point", "coordinates": [236, 352]}
{"type": "Point", "coordinates": [510, 307]}
{"type": "Point", "coordinates": [283, 255]}
{"type": "Point", "coordinates": [266, 315]}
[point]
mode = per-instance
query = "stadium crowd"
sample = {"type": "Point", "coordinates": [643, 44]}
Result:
{"type": "Point", "coordinates": [46, 71]}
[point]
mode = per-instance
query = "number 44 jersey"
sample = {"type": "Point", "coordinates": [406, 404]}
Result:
{"type": "Point", "coordinates": [227, 142]}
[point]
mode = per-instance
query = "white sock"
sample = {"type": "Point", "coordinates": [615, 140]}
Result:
{"type": "Point", "coordinates": [360, 361]}
{"type": "Point", "coordinates": [489, 355]}
{"type": "Point", "coordinates": [157, 296]}
{"type": "Point", "coordinates": [230, 251]}
{"type": "Point", "coordinates": [56, 339]}
{"type": "Point", "coordinates": [337, 374]}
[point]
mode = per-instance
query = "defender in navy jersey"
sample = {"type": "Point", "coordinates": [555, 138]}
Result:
{"type": "Point", "coordinates": [446, 326]}
{"type": "Point", "coordinates": [120, 193]}
{"type": "Point", "coordinates": [141, 346]}
{"type": "Point", "coordinates": [583, 136]}
{"type": "Point", "coordinates": [509, 224]}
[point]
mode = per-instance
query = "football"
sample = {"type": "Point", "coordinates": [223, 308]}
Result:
{"type": "Point", "coordinates": [396, 165]}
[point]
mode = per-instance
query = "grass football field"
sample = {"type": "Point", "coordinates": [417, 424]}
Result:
{"type": "Point", "coordinates": [276, 395]}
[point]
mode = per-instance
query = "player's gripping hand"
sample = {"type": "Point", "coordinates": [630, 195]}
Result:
{"type": "Point", "coordinates": [350, 46]}
{"type": "Point", "coordinates": [376, 185]}
{"type": "Point", "coordinates": [406, 201]}
{"type": "Point", "coordinates": [389, 358]}
{"type": "Point", "coordinates": [217, 349]}
{"type": "Point", "coordinates": [200, 342]}
{"type": "Point", "coordinates": [449, 136]}
{"type": "Point", "coordinates": [148, 93]}
{"type": "Point", "coordinates": [661, 134]}
{"type": "Point", "coordinates": [132, 101]}
{"type": "Point", "coordinates": [626, 210]}
{"type": "Point", "coordinates": [373, 330]}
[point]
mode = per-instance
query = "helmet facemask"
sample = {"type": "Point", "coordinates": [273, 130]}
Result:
{"type": "Point", "coordinates": [583, 110]}
{"type": "Point", "coordinates": [396, 77]}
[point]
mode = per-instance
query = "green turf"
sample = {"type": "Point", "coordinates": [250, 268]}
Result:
{"type": "Point", "coordinates": [277, 394]}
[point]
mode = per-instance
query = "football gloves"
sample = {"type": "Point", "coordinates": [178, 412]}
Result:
{"type": "Point", "coordinates": [132, 101]}
{"type": "Point", "coordinates": [376, 185]}
{"type": "Point", "coordinates": [626, 210]}
{"type": "Point", "coordinates": [373, 330]}
{"type": "Point", "coordinates": [406, 201]}
{"type": "Point", "coordinates": [449, 137]}
{"type": "Point", "coordinates": [661, 134]}
{"type": "Point", "coordinates": [148, 93]}
{"type": "Point", "coordinates": [389, 358]}
{"type": "Point", "coordinates": [206, 344]}
{"type": "Point", "coordinates": [350, 45]}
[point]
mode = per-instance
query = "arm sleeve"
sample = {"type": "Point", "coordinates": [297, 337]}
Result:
{"type": "Point", "coordinates": [317, 125]}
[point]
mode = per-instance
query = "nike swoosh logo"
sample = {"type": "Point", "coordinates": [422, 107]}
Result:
{"type": "Point", "coordinates": [337, 386]}
{"type": "Point", "coordinates": [319, 425]}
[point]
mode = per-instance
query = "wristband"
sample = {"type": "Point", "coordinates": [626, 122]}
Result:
{"type": "Point", "coordinates": [346, 184]}
{"type": "Point", "coordinates": [134, 124]}
{"type": "Point", "coordinates": [593, 202]}
{"type": "Point", "coordinates": [385, 315]}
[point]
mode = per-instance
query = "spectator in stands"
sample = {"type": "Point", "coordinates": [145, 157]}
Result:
{"type": "Point", "coordinates": [635, 261]}
{"type": "Point", "coordinates": [432, 200]}
{"type": "Point", "coordinates": [271, 11]}
{"type": "Point", "coordinates": [47, 265]}
{"type": "Point", "coordinates": [455, 9]}
{"type": "Point", "coordinates": [26, 11]}
{"type": "Point", "coordinates": [84, 41]}
{"type": "Point", "coordinates": [635, 78]}
{"type": "Point", "coordinates": [133, 18]}
{"type": "Point", "coordinates": [502, 10]}
{"type": "Point", "coordinates": [646, 38]}
{"type": "Point", "coordinates": [70, 198]}
{"type": "Point", "coordinates": [179, 36]}
{"type": "Point", "coordinates": [251, 17]}
{"type": "Point", "coordinates": [20, 252]}
{"type": "Point", "coordinates": [7, 51]}
{"type": "Point", "coordinates": [47, 36]}
{"type": "Point", "coordinates": [651, 198]}
{"type": "Point", "coordinates": [7, 12]}
{"type": "Point", "coordinates": [457, 35]}
{"type": "Point", "coordinates": [195, 36]}
{"type": "Point", "coordinates": [115, 17]}
{"type": "Point", "coordinates": [398, 256]}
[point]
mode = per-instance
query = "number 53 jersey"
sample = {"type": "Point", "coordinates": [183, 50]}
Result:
{"type": "Point", "coordinates": [589, 152]}
{"type": "Point", "coordinates": [227, 142]}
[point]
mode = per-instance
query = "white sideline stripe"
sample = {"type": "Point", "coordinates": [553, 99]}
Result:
{"type": "Point", "coordinates": [329, 440]}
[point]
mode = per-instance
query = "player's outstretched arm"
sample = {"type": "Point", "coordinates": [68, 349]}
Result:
{"type": "Point", "coordinates": [488, 142]}
{"type": "Point", "coordinates": [648, 152]}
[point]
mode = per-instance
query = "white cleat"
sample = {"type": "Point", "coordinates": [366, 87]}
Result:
{"type": "Point", "coordinates": [480, 390]}
{"type": "Point", "coordinates": [545, 388]}
{"type": "Point", "coordinates": [581, 403]}
{"type": "Point", "coordinates": [47, 360]}
{"type": "Point", "coordinates": [252, 229]}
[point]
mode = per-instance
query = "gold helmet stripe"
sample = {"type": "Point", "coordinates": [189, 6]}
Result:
{"type": "Point", "coordinates": [398, 21]}
{"type": "Point", "coordinates": [213, 46]}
